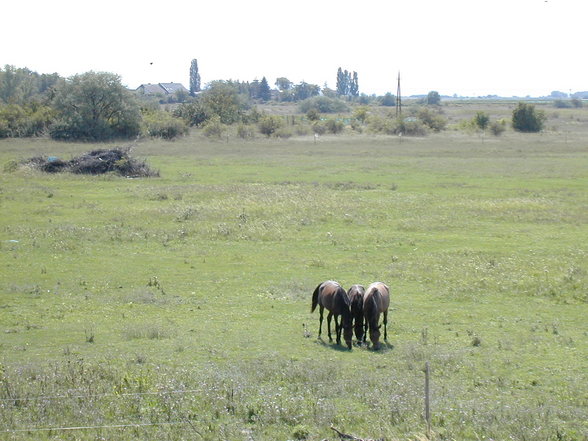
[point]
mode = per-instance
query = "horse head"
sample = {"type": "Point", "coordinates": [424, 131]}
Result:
{"type": "Point", "coordinates": [355, 294]}
{"type": "Point", "coordinates": [347, 324]}
{"type": "Point", "coordinates": [375, 336]}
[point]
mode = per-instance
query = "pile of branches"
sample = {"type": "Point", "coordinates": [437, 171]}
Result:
{"type": "Point", "coordinates": [96, 162]}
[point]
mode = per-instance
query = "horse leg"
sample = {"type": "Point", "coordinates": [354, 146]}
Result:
{"type": "Point", "coordinates": [365, 330]}
{"type": "Point", "coordinates": [338, 329]}
{"type": "Point", "coordinates": [329, 324]}
{"type": "Point", "coordinates": [321, 309]}
{"type": "Point", "coordinates": [385, 327]}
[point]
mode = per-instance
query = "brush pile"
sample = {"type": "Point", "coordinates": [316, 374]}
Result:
{"type": "Point", "coordinates": [96, 162]}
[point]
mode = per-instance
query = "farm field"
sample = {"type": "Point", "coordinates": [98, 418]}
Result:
{"type": "Point", "coordinates": [178, 307]}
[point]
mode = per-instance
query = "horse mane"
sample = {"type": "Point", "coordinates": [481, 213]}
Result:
{"type": "Point", "coordinates": [370, 307]}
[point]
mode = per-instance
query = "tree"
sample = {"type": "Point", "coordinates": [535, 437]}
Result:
{"type": "Point", "coordinates": [305, 90]}
{"type": "Point", "coordinates": [433, 98]}
{"type": "Point", "coordinates": [222, 98]}
{"type": "Point", "coordinates": [283, 84]}
{"type": "Point", "coordinates": [388, 100]}
{"type": "Point", "coordinates": [342, 82]}
{"type": "Point", "coordinates": [354, 85]}
{"type": "Point", "coordinates": [194, 78]}
{"type": "Point", "coordinates": [95, 106]}
{"type": "Point", "coordinates": [481, 120]}
{"type": "Point", "coordinates": [265, 93]}
{"type": "Point", "coordinates": [22, 86]}
{"type": "Point", "coordinates": [525, 118]}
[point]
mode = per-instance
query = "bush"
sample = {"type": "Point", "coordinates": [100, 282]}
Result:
{"type": "Point", "coordinates": [323, 104]}
{"type": "Point", "coordinates": [432, 119]}
{"type": "Point", "coordinates": [388, 126]}
{"type": "Point", "coordinates": [498, 127]}
{"type": "Point", "coordinates": [313, 115]}
{"type": "Point", "coordinates": [283, 132]}
{"type": "Point", "coordinates": [245, 131]}
{"type": "Point", "coordinates": [525, 118]}
{"type": "Point", "coordinates": [319, 128]}
{"type": "Point", "coordinates": [388, 100]}
{"type": "Point", "coordinates": [193, 113]}
{"type": "Point", "coordinates": [161, 124]}
{"type": "Point", "coordinates": [213, 127]}
{"type": "Point", "coordinates": [269, 124]}
{"type": "Point", "coordinates": [24, 121]}
{"type": "Point", "coordinates": [411, 127]}
{"type": "Point", "coordinates": [334, 126]}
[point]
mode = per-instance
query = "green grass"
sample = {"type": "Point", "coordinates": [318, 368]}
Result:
{"type": "Point", "coordinates": [176, 305]}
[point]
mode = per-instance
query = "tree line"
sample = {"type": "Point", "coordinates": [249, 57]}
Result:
{"type": "Point", "coordinates": [95, 106]}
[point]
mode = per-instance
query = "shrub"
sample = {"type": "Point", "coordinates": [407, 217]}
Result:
{"type": "Point", "coordinates": [525, 118]}
{"type": "Point", "coordinates": [323, 104]}
{"type": "Point", "coordinates": [411, 127]}
{"type": "Point", "coordinates": [283, 132]}
{"type": "Point", "coordinates": [213, 127]}
{"type": "Point", "coordinates": [24, 121]}
{"type": "Point", "coordinates": [319, 128]}
{"type": "Point", "coordinates": [313, 115]}
{"type": "Point", "coordinates": [334, 126]}
{"type": "Point", "coordinates": [498, 127]}
{"type": "Point", "coordinates": [193, 113]}
{"type": "Point", "coordinates": [269, 124]}
{"type": "Point", "coordinates": [245, 131]}
{"type": "Point", "coordinates": [432, 119]}
{"type": "Point", "coordinates": [388, 100]}
{"type": "Point", "coordinates": [161, 124]}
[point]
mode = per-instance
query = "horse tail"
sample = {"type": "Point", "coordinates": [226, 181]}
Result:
{"type": "Point", "coordinates": [315, 295]}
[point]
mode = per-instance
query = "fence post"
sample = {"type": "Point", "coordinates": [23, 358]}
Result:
{"type": "Point", "coordinates": [427, 400]}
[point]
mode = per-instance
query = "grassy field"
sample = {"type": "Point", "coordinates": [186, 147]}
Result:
{"type": "Point", "coordinates": [178, 307]}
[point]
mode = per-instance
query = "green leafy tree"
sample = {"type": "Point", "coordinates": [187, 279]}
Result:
{"type": "Point", "coordinates": [194, 78]}
{"type": "Point", "coordinates": [223, 99]}
{"type": "Point", "coordinates": [22, 86]}
{"type": "Point", "coordinates": [305, 90]}
{"type": "Point", "coordinates": [193, 113]}
{"type": "Point", "coordinates": [525, 118]}
{"type": "Point", "coordinates": [284, 85]}
{"type": "Point", "coordinates": [95, 106]}
{"type": "Point", "coordinates": [433, 98]}
{"type": "Point", "coordinates": [481, 120]}
{"type": "Point", "coordinates": [388, 100]}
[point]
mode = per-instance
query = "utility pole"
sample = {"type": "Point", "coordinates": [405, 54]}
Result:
{"type": "Point", "coordinates": [398, 99]}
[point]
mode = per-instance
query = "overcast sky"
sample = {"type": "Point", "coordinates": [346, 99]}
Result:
{"type": "Point", "coordinates": [463, 47]}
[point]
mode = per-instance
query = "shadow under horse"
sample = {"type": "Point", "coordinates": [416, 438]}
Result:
{"type": "Point", "coordinates": [376, 301]}
{"type": "Point", "coordinates": [331, 296]}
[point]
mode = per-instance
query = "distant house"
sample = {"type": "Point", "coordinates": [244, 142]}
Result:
{"type": "Point", "coordinates": [161, 89]}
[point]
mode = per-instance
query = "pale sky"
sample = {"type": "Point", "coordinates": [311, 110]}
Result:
{"type": "Point", "coordinates": [464, 47]}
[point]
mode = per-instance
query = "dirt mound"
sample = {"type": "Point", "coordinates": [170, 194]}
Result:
{"type": "Point", "coordinates": [96, 162]}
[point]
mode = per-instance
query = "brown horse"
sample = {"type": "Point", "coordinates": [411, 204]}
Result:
{"type": "Point", "coordinates": [376, 301]}
{"type": "Point", "coordinates": [355, 294]}
{"type": "Point", "coordinates": [332, 296]}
